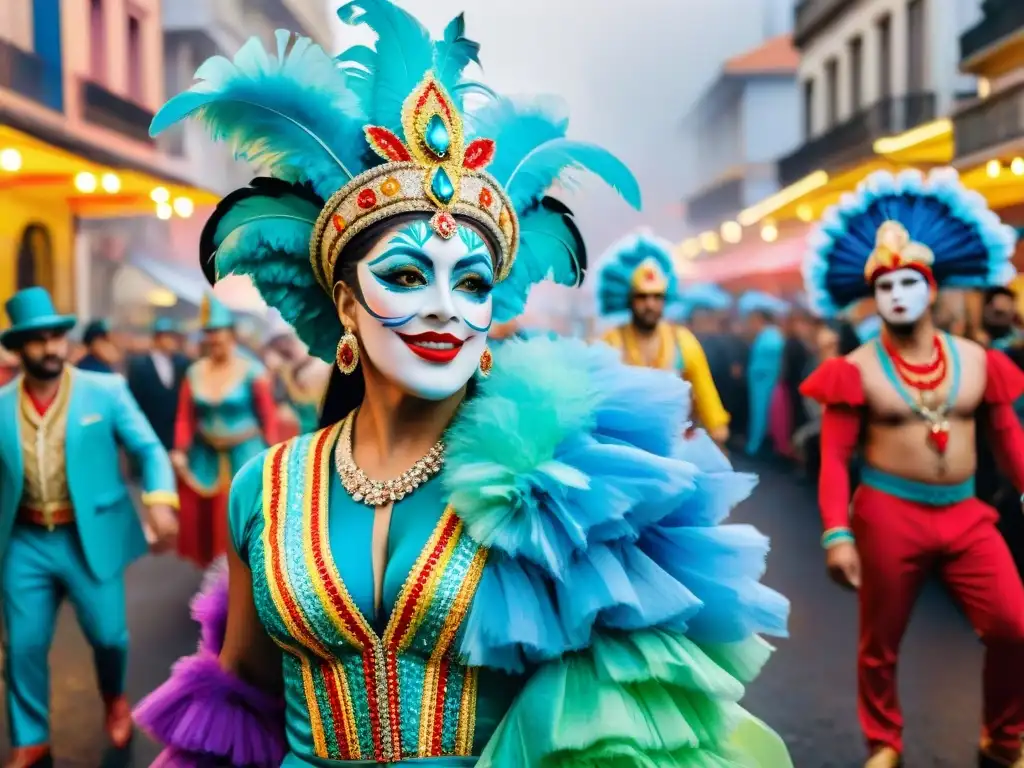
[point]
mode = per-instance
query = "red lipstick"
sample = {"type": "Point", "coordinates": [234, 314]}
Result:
{"type": "Point", "coordinates": [434, 347]}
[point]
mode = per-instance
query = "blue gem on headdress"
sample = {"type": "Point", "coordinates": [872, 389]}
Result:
{"type": "Point", "coordinates": [436, 136]}
{"type": "Point", "coordinates": [442, 186]}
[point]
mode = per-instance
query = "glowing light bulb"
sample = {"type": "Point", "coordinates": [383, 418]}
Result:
{"type": "Point", "coordinates": [691, 248]}
{"type": "Point", "coordinates": [86, 182]}
{"type": "Point", "coordinates": [709, 241]}
{"type": "Point", "coordinates": [164, 211]}
{"type": "Point", "coordinates": [769, 233]}
{"type": "Point", "coordinates": [183, 206]}
{"type": "Point", "coordinates": [1017, 166]}
{"type": "Point", "coordinates": [732, 232]}
{"type": "Point", "coordinates": [111, 183]}
{"type": "Point", "coordinates": [993, 169]}
{"type": "Point", "coordinates": [10, 160]}
{"type": "Point", "coordinates": [804, 212]}
{"type": "Point", "coordinates": [160, 195]}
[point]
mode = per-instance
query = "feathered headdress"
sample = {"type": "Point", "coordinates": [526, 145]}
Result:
{"type": "Point", "coordinates": [639, 263]}
{"type": "Point", "coordinates": [376, 133]}
{"type": "Point", "coordinates": [932, 224]}
{"type": "Point", "coordinates": [758, 301]}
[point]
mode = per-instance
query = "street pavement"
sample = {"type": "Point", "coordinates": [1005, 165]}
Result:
{"type": "Point", "coordinates": [806, 692]}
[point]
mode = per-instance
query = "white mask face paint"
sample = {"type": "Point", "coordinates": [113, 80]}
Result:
{"type": "Point", "coordinates": [425, 308]}
{"type": "Point", "coordinates": [902, 296]}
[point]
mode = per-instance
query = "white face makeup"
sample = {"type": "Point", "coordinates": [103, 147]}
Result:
{"type": "Point", "coordinates": [425, 307]}
{"type": "Point", "coordinates": [902, 296]}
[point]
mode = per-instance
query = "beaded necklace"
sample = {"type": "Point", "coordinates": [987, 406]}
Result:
{"type": "Point", "coordinates": [935, 416]}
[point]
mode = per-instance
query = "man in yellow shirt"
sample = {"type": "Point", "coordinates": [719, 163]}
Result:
{"type": "Point", "coordinates": [636, 284]}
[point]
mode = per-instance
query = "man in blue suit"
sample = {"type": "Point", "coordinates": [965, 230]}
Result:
{"type": "Point", "coordinates": [68, 525]}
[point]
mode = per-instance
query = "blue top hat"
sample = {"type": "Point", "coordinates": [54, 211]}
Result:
{"type": "Point", "coordinates": [165, 325]}
{"type": "Point", "coordinates": [213, 316]}
{"type": "Point", "coordinates": [31, 310]}
{"type": "Point", "coordinates": [96, 329]}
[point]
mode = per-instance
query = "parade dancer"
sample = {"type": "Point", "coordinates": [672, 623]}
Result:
{"type": "Point", "coordinates": [302, 378]}
{"type": "Point", "coordinates": [226, 415]}
{"type": "Point", "coordinates": [764, 364]}
{"type": "Point", "coordinates": [155, 378]}
{"type": "Point", "coordinates": [541, 581]}
{"type": "Point", "coordinates": [636, 284]}
{"type": "Point", "coordinates": [913, 399]}
{"type": "Point", "coordinates": [68, 526]}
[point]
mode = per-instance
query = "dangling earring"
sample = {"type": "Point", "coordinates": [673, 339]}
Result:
{"type": "Point", "coordinates": [486, 362]}
{"type": "Point", "coordinates": [347, 356]}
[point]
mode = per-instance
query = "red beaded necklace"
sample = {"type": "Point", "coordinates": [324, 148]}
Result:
{"type": "Point", "coordinates": [924, 377]}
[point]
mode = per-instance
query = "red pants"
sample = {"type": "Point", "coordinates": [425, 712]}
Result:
{"type": "Point", "coordinates": [900, 544]}
{"type": "Point", "coordinates": [202, 525]}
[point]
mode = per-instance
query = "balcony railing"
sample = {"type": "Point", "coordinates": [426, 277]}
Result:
{"type": "Point", "coordinates": [1002, 19]}
{"type": "Point", "coordinates": [812, 16]}
{"type": "Point", "coordinates": [107, 109]}
{"type": "Point", "coordinates": [715, 203]}
{"type": "Point", "coordinates": [853, 141]}
{"type": "Point", "coordinates": [33, 77]}
{"type": "Point", "coordinates": [996, 120]}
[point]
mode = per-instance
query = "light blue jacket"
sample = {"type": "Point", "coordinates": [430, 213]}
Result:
{"type": "Point", "coordinates": [102, 417]}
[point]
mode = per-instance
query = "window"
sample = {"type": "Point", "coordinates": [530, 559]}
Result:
{"type": "Point", "coordinates": [885, 57]}
{"type": "Point", "coordinates": [856, 74]}
{"type": "Point", "coordinates": [135, 58]}
{"type": "Point", "coordinates": [97, 42]}
{"type": "Point", "coordinates": [808, 109]}
{"type": "Point", "coordinates": [832, 91]}
{"type": "Point", "coordinates": [916, 46]}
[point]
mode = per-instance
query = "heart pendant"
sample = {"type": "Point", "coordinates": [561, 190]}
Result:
{"type": "Point", "coordinates": [939, 438]}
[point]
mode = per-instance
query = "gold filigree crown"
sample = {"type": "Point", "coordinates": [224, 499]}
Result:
{"type": "Point", "coordinates": [649, 278]}
{"type": "Point", "coordinates": [895, 250]}
{"type": "Point", "coordinates": [432, 171]}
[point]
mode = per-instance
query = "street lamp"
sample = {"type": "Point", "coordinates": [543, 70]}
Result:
{"type": "Point", "coordinates": [86, 182]}
{"type": "Point", "coordinates": [10, 160]}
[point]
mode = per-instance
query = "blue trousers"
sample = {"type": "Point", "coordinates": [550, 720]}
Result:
{"type": "Point", "coordinates": [40, 568]}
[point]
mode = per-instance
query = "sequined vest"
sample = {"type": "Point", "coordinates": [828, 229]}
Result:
{"type": "Point", "coordinates": [400, 696]}
{"type": "Point", "coordinates": [228, 421]}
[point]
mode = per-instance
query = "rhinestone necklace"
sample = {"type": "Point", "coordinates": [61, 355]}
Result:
{"type": "Point", "coordinates": [374, 493]}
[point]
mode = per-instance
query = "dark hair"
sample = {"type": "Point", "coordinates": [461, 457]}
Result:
{"type": "Point", "coordinates": [999, 290]}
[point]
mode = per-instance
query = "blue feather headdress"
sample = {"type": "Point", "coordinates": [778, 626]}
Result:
{"type": "Point", "coordinates": [377, 132]}
{"type": "Point", "coordinates": [933, 224]}
{"type": "Point", "coordinates": [640, 263]}
{"type": "Point", "coordinates": [707, 296]}
{"type": "Point", "coordinates": [758, 301]}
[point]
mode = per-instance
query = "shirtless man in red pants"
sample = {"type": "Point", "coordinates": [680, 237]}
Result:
{"type": "Point", "coordinates": [912, 401]}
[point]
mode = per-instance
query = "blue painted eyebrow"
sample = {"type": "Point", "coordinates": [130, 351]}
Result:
{"type": "Point", "coordinates": [475, 259]}
{"type": "Point", "coordinates": [403, 250]}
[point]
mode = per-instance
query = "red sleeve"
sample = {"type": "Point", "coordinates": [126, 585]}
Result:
{"type": "Point", "coordinates": [1004, 385]}
{"type": "Point", "coordinates": [185, 420]}
{"type": "Point", "coordinates": [840, 430]}
{"type": "Point", "coordinates": [835, 382]}
{"type": "Point", "coordinates": [266, 409]}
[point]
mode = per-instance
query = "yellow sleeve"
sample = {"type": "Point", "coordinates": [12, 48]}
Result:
{"type": "Point", "coordinates": [613, 338]}
{"type": "Point", "coordinates": [706, 401]}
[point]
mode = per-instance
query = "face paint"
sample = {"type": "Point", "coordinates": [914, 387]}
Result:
{"type": "Point", "coordinates": [902, 296]}
{"type": "Point", "coordinates": [425, 308]}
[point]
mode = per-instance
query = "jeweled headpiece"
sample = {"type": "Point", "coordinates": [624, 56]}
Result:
{"type": "Point", "coordinates": [637, 264]}
{"type": "Point", "coordinates": [929, 223]}
{"type": "Point", "coordinates": [376, 133]}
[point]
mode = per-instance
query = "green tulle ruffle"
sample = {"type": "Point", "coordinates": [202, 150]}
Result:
{"type": "Point", "coordinates": [652, 698]}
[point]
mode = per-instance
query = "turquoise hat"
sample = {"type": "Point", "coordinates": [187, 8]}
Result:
{"type": "Point", "coordinates": [31, 310]}
{"type": "Point", "coordinates": [165, 325]}
{"type": "Point", "coordinates": [213, 316]}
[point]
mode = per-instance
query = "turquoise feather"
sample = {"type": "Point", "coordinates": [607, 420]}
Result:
{"type": "Point", "coordinates": [403, 55]}
{"type": "Point", "coordinates": [550, 248]}
{"type": "Point", "coordinates": [453, 53]}
{"type": "Point", "coordinates": [290, 113]}
{"type": "Point", "coordinates": [261, 236]}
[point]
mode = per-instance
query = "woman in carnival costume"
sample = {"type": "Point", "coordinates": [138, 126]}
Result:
{"type": "Point", "coordinates": [541, 581]}
{"type": "Point", "coordinates": [300, 378]}
{"type": "Point", "coordinates": [637, 287]}
{"type": "Point", "coordinates": [226, 415]}
{"type": "Point", "coordinates": [913, 400]}
{"type": "Point", "coordinates": [764, 364]}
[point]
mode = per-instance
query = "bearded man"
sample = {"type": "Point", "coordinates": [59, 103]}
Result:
{"type": "Point", "coordinates": [912, 400]}
{"type": "Point", "coordinates": [637, 286]}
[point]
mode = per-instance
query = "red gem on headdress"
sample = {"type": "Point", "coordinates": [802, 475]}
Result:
{"type": "Point", "coordinates": [479, 153]}
{"type": "Point", "coordinates": [650, 274]}
{"type": "Point", "coordinates": [386, 144]}
{"type": "Point", "coordinates": [367, 199]}
{"type": "Point", "coordinates": [339, 223]}
{"type": "Point", "coordinates": [444, 224]}
{"type": "Point", "coordinates": [486, 198]}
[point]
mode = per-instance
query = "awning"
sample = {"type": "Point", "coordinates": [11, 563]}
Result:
{"type": "Point", "coordinates": [754, 258]}
{"type": "Point", "coordinates": [187, 285]}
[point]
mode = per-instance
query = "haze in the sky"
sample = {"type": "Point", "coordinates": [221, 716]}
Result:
{"type": "Point", "coordinates": [628, 70]}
